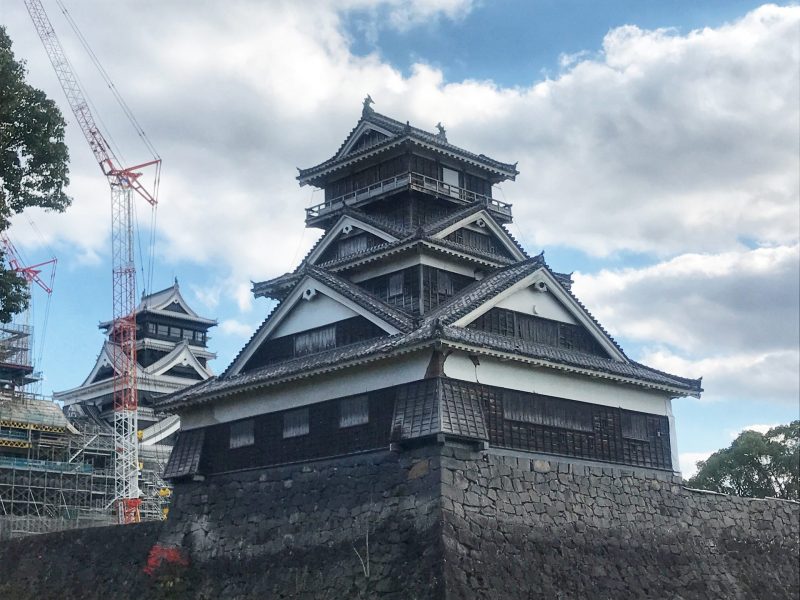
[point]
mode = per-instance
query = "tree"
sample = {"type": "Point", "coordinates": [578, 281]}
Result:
{"type": "Point", "coordinates": [33, 161]}
{"type": "Point", "coordinates": [755, 465]}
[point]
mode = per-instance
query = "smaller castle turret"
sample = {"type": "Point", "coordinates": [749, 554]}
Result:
{"type": "Point", "coordinates": [172, 353]}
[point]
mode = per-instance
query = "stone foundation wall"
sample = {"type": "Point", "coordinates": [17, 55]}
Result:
{"type": "Point", "coordinates": [301, 531]}
{"type": "Point", "coordinates": [442, 522]}
{"type": "Point", "coordinates": [526, 528]}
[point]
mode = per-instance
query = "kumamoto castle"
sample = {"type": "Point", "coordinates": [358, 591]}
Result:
{"type": "Point", "coordinates": [428, 412]}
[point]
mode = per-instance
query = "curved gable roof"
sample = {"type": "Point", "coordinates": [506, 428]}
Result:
{"type": "Point", "coordinates": [398, 132]}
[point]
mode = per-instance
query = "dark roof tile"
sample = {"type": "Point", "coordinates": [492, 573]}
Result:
{"type": "Point", "coordinates": [401, 131]}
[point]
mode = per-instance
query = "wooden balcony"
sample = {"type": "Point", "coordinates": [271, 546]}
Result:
{"type": "Point", "coordinates": [319, 213]}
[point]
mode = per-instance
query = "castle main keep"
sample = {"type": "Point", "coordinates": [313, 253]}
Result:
{"type": "Point", "coordinates": [428, 413]}
{"type": "Point", "coordinates": [417, 318]}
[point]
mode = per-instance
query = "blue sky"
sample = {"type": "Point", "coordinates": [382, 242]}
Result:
{"type": "Point", "coordinates": [657, 144]}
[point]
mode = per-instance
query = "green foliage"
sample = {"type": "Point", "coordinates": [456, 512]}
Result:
{"type": "Point", "coordinates": [755, 465]}
{"type": "Point", "coordinates": [33, 160]}
{"type": "Point", "coordinates": [13, 293]}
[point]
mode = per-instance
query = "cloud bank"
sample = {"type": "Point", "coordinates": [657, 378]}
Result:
{"type": "Point", "coordinates": [680, 147]}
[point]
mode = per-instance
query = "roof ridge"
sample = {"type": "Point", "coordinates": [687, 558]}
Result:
{"type": "Point", "coordinates": [454, 217]}
{"type": "Point", "coordinates": [382, 224]}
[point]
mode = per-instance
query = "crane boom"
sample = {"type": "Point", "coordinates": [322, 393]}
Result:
{"type": "Point", "coordinates": [123, 181]}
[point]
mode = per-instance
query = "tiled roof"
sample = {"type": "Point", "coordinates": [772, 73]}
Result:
{"type": "Point", "coordinates": [328, 360]}
{"type": "Point", "coordinates": [374, 220]}
{"type": "Point", "coordinates": [350, 290]}
{"type": "Point", "coordinates": [424, 335]}
{"type": "Point", "coordinates": [287, 280]}
{"type": "Point", "coordinates": [402, 131]}
{"type": "Point", "coordinates": [36, 413]}
{"type": "Point", "coordinates": [477, 293]}
{"type": "Point", "coordinates": [437, 226]}
{"type": "Point", "coordinates": [454, 217]}
{"type": "Point", "coordinates": [184, 460]}
{"type": "Point", "coordinates": [382, 250]}
{"type": "Point", "coordinates": [438, 406]}
{"type": "Point", "coordinates": [280, 286]}
{"type": "Point", "coordinates": [631, 370]}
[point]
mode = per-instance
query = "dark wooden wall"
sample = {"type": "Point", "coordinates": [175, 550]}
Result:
{"type": "Point", "coordinates": [325, 438]}
{"type": "Point", "coordinates": [538, 330]}
{"type": "Point", "coordinates": [348, 331]}
{"type": "Point", "coordinates": [550, 426]}
{"type": "Point", "coordinates": [606, 439]}
{"type": "Point", "coordinates": [424, 288]}
{"type": "Point", "coordinates": [408, 300]}
{"type": "Point", "coordinates": [398, 165]}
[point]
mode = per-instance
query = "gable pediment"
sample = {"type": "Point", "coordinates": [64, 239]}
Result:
{"type": "Point", "coordinates": [538, 303]}
{"type": "Point", "coordinates": [312, 306]}
{"type": "Point", "coordinates": [539, 310]}
{"type": "Point", "coordinates": [348, 227]}
{"type": "Point", "coordinates": [181, 362]}
{"type": "Point", "coordinates": [482, 232]}
{"type": "Point", "coordinates": [365, 135]}
{"type": "Point", "coordinates": [322, 310]}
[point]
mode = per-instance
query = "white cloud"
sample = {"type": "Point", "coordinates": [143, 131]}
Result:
{"type": "Point", "coordinates": [688, 462]}
{"type": "Point", "coordinates": [731, 318]}
{"type": "Point", "coordinates": [236, 328]}
{"type": "Point", "coordinates": [770, 377]}
{"type": "Point", "coordinates": [208, 296]}
{"type": "Point", "coordinates": [672, 142]}
{"type": "Point", "coordinates": [742, 301]}
{"type": "Point", "coordinates": [759, 427]}
{"type": "Point", "coordinates": [682, 146]}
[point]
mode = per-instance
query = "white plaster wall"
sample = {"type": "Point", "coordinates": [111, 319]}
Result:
{"type": "Point", "coordinates": [540, 380]}
{"type": "Point", "coordinates": [307, 314]}
{"type": "Point", "coordinates": [357, 380]}
{"type": "Point", "coordinates": [546, 306]}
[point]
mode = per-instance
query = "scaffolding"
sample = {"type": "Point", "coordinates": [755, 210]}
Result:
{"type": "Point", "coordinates": [16, 367]}
{"type": "Point", "coordinates": [58, 473]}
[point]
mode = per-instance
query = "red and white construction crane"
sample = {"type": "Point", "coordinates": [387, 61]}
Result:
{"type": "Point", "coordinates": [124, 181]}
{"type": "Point", "coordinates": [32, 273]}
{"type": "Point", "coordinates": [16, 338]}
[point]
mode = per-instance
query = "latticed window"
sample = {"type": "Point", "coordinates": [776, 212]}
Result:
{"type": "Point", "coordinates": [634, 426]}
{"type": "Point", "coordinates": [242, 434]}
{"type": "Point", "coordinates": [396, 284]}
{"type": "Point", "coordinates": [444, 283]}
{"type": "Point", "coordinates": [530, 408]}
{"type": "Point", "coordinates": [315, 340]}
{"type": "Point", "coordinates": [353, 411]}
{"type": "Point", "coordinates": [352, 245]}
{"type": "Point", "coordinates": [295, 423]}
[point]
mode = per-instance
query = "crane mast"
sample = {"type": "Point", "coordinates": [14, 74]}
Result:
{"type": "Point", "coordinates": [123, 181]}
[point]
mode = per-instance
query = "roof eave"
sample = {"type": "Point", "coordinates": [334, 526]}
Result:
{"type": "Point", "coordinates": [678, 391]}
{"type": "Point", "coordinates": [378, 354]}
{"type": "Point", "coordinates": [315, 175]}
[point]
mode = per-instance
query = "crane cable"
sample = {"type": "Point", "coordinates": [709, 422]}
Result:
{"type": "Point", "coordinates": [148, 265]}
{"type": "Point", "coordinates": [109, 82]}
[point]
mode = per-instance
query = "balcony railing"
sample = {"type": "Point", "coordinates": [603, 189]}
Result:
{"type": "Point", "coordinates": [414, 181]}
